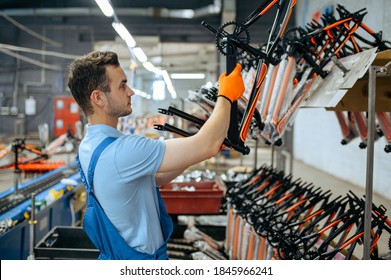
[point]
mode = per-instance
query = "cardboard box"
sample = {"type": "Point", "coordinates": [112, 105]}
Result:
{"type": "Point", "coordinates": [356, 98]}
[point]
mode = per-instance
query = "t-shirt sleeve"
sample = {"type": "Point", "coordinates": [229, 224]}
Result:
{"type": "Point", "coordinates": [137, 156]}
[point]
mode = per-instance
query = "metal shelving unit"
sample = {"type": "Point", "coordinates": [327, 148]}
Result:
{"type": "Point", "coordinates": [377, 100]}
{"type": "Point", "coordinates": [374, 72]}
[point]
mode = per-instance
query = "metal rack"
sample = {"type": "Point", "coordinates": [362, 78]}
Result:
{"type": "Point", "coordinates": [356, 100]}
{"type": "Point", "coordinates": [374, 72]}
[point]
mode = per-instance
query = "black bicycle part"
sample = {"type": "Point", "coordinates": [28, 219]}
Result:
{"type": "Point", "coordinates": [229, 32]}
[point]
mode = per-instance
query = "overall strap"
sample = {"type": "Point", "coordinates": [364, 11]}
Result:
{"type": "Point", "coordinates": [101, 230]}
{"type": "Point", "coordinates": [94, 160]}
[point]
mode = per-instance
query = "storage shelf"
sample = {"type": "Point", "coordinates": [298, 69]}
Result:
{"type": "Point", "coordinates": [356, 98]}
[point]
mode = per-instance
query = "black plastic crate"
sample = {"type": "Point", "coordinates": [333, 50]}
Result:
{"type": "Point", "coordinates": [66, 243]}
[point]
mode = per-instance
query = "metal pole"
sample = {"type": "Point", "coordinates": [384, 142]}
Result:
{"type": "Point", "coordinates": [16, 145]}
{"type": "Point", "coordinates": [272, 155]}
{"type": "Point", "coordinates": [256, 154]}
{"type": "Point", "coordinates": [291, 137]}
{"type": "Point", "coordinates": [370, 160]}
{"type": "Point", "coordinates": [32, 223]}
{"type": "Point", "coordinates": [16, 170]}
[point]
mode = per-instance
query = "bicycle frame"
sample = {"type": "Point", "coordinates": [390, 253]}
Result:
{"type": "Point", "coordinates": [284, 10]}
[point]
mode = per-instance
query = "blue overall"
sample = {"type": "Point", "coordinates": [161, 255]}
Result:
{"type": "Point", "coordinates": [101, 230]}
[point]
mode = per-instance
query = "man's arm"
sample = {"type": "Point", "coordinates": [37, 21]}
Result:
{"type": "Point", "coordinates": [180, 153]}
{"type": "Point", "coordinates": [166, 177]}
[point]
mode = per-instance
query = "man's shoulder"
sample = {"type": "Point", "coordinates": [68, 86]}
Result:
{"type": "Point", "coordinates": [137, 144]}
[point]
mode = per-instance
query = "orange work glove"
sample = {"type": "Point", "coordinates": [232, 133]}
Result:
{"type": "Point", "coordinates": [231, 86]}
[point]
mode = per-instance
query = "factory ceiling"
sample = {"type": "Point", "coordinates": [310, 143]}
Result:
{"type": "Point", "coordinates": [169, 31]}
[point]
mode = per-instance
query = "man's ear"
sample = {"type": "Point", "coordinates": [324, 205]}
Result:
{"type": "Point", "coordinates": [97, 98]}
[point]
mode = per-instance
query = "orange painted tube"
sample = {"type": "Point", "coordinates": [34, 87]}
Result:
{"type": "Point", "coordinates": [343, 124]}
{"type": "Point", "coordinates": [236, 238]}
{"type": "Point", "coordinates": [287, 17]}
{"type": "Point", "coordinates": [264, 11]}
{"type": "Point", "coordinates": [272, 190]}
{"type": "Point", "coordinates": [251, 245]}
{"type": "Point", "coordinates": [282, 124]}
{"type": "Point", "coordinates": [351, 240]}
{"type": "Point", "coordinates": [346, 39]}
{"type": "Point", "coordinates": [385, 125]}
{"type": "Point", "coordinates": [361, 124]}
{"type": "Point", "coordinates": [261, 248]}
{"type": "Point", "coordinates": [249, 116]}
{"type": "Point", "coordinates": [336, 222]}
{"type": "Point", "coordinates": [331, 26]}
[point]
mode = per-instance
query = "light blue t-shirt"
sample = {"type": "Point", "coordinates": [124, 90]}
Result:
{"type": "Point", "coordinates": [124, 183]}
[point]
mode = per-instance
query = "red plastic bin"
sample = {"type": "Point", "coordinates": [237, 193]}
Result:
{"type": "Point", "coordinates": [206, 199]}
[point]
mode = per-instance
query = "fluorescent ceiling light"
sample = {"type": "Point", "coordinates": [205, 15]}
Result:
{"type": "Point", "coordinates": [169, 85]}
{"type": "Point", "coordinates": [150, 67]}
{"type": "Point", "coordinates": [140, 55]}
{"type": "Point", "coordinates": [183, 13]}
{"type": "Point", "coordinates": [124, 33]}
{"type": "Point", "coordinates": [106, 7]}
{"type": "Point", "coordinates": [188, 76]}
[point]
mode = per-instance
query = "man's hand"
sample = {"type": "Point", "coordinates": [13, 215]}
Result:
{"type": "Point", "coordinates": [231, 86]}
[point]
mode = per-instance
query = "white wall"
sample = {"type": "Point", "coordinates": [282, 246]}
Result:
{"type": "Point", "coordinates": [317, 134]}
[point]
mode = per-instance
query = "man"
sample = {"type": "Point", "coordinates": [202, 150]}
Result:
{"type": "Point", "coordinates": [125, 216]}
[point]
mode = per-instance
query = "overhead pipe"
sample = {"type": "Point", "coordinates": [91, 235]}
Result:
{"type": "Point", "coordinates": [30, 60]}
{"type": "Point", "coordinates": [31, 32]}
{"type": "Point", "coordinates": [16, 84]}
{"type": "Point", "coordinates": [36, 51]}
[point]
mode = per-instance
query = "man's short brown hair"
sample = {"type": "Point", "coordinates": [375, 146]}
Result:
{"type": "Point", "coordinates": [87, 74]}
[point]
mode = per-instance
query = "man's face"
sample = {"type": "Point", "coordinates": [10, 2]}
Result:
{"type": "Point", "coordinates": [119, 98]}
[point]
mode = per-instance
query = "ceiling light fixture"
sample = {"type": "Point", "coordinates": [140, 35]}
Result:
{"type": "Point", "coordinates": [124, 33]}
{"type": "Point", "coordinates": [106, 7]}
{"type": "Point", "coordinates": [169, 85]}
{"type": "Point", "coordinates": [140, 55]}
{"type": "Point", "coordinates": [150, 67]}
{"type": "Point", "coordinates": [187, 76]}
